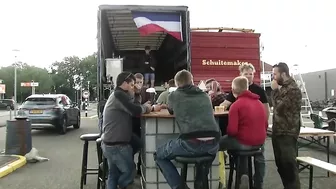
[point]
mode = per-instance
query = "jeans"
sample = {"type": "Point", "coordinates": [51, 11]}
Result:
{"type": "Point", "coordinates": [121, 165]}
{"type": "Point", "coordinates": [230, 143]}
{"type": "Point", "coordinates": [259, 169]}
{"type": "Point", "coordinates": [178, 147]}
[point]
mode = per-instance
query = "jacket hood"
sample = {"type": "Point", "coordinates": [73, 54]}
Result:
{"type": "Point", "coordinates": [190, 89]}
{"type": "Point", "coordinates": [248, 94]}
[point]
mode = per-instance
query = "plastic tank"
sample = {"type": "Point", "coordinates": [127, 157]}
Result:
{"type": "Point", "coordinates": [18, 136]}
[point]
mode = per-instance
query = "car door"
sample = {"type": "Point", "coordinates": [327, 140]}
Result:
{"type": "Point", "coordinates": [2, 105]}
{"type": "Point", "coordinates": [72, 111]}
{"type": "Point", "coordinates": [67, 109]}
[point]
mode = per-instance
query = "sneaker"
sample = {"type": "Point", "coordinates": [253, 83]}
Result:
{"type": "Point", "coordinates": [244, 182]}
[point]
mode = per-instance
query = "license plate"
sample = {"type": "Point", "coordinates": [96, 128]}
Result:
{"type": "Point", "coordinates": [36, 112]}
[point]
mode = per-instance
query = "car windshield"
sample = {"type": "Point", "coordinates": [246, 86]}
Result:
{"type": "Point", "coordinates": [40, 101]}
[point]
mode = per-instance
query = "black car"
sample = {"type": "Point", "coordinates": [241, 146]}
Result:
{"type": "Point", "coordinates": [51, 111]}
{"type": "Point", "coordinates": [6, 104]}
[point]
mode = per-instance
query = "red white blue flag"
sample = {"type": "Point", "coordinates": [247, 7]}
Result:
{"type": "Point", "coordinates": [152, 22]}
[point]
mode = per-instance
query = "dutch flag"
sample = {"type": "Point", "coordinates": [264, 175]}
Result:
{"type": "Point", "coordinates": [151, 22]}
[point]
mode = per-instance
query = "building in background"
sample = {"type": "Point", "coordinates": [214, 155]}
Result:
{"type": "Point", "coordinates": [320, 85]}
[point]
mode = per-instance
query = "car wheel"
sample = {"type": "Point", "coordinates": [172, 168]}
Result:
{"type": "Point", "coordinates": [8, 108]}
{"type": "Point", "coordinates": [77, 125]}
{"type": "Point", "coordinates": [63, 126]}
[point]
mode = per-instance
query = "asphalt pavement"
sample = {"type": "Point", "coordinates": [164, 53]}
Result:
{"type": "Point", "coordinates": [62, 171]}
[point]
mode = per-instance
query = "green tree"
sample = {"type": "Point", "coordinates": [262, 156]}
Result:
{"type": "Point", "coordinates": [25, 73]}
{"type": "Point", "coordinates": [64, 72]}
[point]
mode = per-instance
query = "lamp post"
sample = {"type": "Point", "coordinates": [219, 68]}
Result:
{"type": "Point", "coordinates": [15, 80]}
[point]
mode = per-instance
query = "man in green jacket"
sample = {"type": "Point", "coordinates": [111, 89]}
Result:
{"type": "Point", "coordinates": [287, 98]}
{"type": "Point", "coordinates": [163, 98]}
{"type": "Point", "coordinates": [199, 132]}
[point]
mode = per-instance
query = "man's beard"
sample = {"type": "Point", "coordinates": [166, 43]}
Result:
{"type": "Point", "coordinates": [280, 81]}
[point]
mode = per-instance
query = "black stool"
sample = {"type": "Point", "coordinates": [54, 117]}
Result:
{"type": "Point", "coordinates": [236, 155]}
{"type": "Point", "coordinates": [102, 166]}
{"type": "Point", "coordinates": [201, 161]}
{"type": "Point", "coordinates": [85, 171]}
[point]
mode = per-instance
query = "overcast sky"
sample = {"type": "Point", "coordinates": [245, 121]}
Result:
{"type": "Point", "coordinates": [295, 31]}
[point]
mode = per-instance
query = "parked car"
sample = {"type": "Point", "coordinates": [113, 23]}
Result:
{"type": "Point", "coordinates": [51, 111]}
{"type": "Point", "coordinates": [6, 104]}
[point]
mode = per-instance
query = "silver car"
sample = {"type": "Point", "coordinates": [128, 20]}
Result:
{"type": "Point", "coordinates": [51, 111]}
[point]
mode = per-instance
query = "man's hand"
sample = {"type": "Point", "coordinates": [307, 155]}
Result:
{"type": "Point", "coordinates": [137, 88]}
{"type": "Point", "coordinates": [156, 108]}
{"type": "Point", "coordinates": [274, 85]}
{"type": "Point", "coordinates": [164, 106]}
{"type": "Point", "coordinates": [148, 107]}
{"type": "Point", "coordinates": [224, 105]}
{"type": "Point", "coordinates": [152, 68]}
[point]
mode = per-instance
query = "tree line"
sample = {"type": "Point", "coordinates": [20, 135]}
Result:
{"type": "Point", "coordinates": [56, 79]}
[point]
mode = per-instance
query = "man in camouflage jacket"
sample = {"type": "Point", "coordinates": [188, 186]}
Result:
{"type": "Point", "coordinates": [287, 99]}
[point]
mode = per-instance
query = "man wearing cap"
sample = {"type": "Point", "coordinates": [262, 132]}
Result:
{"type": "Point", "coordinates": [149, 67]}
{"type": "Point", "coordinates": [117, 131]}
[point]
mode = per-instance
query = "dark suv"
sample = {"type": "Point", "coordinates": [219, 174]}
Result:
{"type": "Point", "coordinates": [51, 110]}
{"type": "Point", "coordinates": [6, 104]}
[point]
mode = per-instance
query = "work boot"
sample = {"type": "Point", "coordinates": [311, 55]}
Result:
{"type": "Point", "coordinates": [244, 182]}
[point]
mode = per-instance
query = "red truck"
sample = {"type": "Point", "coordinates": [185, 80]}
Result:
{"type": "Point", "coordinates": [219, 54]}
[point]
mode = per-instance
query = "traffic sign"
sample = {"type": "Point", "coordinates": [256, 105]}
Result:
{"type": "Point", "coordinates": [29, 84]}
{"type": "Point", "coordinates": [86, 94]}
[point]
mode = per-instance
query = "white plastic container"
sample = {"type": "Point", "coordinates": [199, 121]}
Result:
{"type": "Point", "coordinates": [114, 66]}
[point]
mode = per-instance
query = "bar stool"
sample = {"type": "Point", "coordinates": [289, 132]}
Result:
{"type": "Point", "coordinates": [201, 161]}
{"type": "Point", "coordinates": [85, 171]}
{"type": "Point", "coordinates": [237, 156]}
{"type": "Point", "coordinates": [102, 166]}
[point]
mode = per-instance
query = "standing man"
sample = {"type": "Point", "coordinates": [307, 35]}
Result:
{"type": "Point", "coordinates": [248, 71]}
{"type": "Point", "coordinates": [199, 132]}
{"type": "Point", "coordinates": [140, 97]}
{"type": "Point", "coordinates": [149, 67]}
{"type": "Point", "coordinates": [117, 131]}
{"type": "Point", "coordinates": [286, 125]}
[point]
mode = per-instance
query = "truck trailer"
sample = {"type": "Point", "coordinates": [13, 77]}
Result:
{"type": "Point", "coordinates": [203, 51]}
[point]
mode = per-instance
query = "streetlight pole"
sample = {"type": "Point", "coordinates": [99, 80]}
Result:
{"type": "Point", "coordinates": [15, 81]}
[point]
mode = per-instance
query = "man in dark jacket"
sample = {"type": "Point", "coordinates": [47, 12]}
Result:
{"type": "Point", "coordinates": [287, 101]}
{"type": "Point", "coordinates": [149, 67]}
{"type": "Point", "coordinates": [117, 131]}
{"type": "Point", "coordinates": [199, 132]}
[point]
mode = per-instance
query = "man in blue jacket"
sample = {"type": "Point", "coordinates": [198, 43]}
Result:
{"type": "Point", "coordinates": [199, 132]}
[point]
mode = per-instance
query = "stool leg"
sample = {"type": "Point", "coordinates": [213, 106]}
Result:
{"type": "Point", "coordinates": [105, 170]}
{"type": "Point", "coordinates": [250, 172]}
{"type": "Point", "coordinates": [99, 155]}
{"type": "Point", "coordinates": [184, 172]}
{"type": "Point", "coordinates": [84, 163]}
{"type": "Point", "coordinates": [86, 160]}
{"type": "Point", "coordinates": [232, 164]}
{"type": "Point", "coordinates": [205, 180]}
{"type": "Point", "coordinates": [237, 182]}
